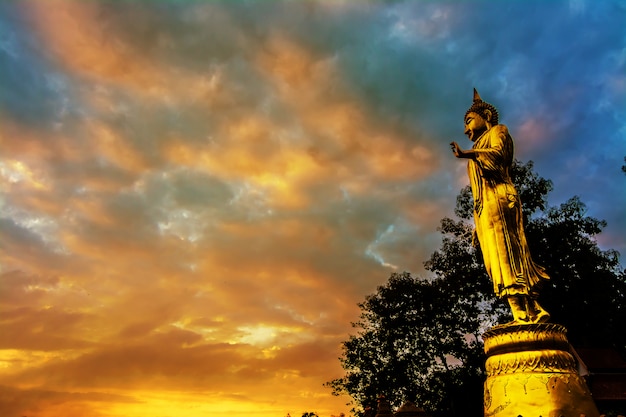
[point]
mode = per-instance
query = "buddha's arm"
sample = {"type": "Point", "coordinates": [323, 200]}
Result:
{"type": "Point", "coordinates": [460, 153]}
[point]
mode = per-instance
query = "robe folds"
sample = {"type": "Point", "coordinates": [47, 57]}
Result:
{"type": "Point", "coordinates": [498, 217]}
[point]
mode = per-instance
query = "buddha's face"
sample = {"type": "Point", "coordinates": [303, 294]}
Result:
{"type": "Point", "coordinates": [475, 126]}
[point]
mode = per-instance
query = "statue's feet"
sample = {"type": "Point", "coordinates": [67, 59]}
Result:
{"type": "Point", "coordinates": [521, 320]}
{"type": "Point", "coordinates": [539, 315]}
{"type": "Point", "coordinates": [542, 317]}
{"type": "Point", "coordinates": [516, 322]}
{"type": "Point", "coordinates": [519, 308]}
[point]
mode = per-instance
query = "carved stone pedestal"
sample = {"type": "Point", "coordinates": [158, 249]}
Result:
{"type": "Point", "coordinates": [530, 373]}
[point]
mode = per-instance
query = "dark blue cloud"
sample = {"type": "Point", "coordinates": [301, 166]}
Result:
{"type": "Point", "coordinates": [32, 91]}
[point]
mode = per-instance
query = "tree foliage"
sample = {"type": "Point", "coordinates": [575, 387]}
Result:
{"type": "Point", "coordinates": [588, 291]}
{"type": "Point", "coordinates": [411, 345]}
{"type": "Point", "coordinates": [418, 339]}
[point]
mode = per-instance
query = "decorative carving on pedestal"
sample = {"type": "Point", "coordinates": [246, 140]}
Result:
{"type": "Point", "coordinates": [530, 373]}
{"type": "Point", "coordinates": [524, 348]}
{"type": "Point", "coordinates": [516, 338]}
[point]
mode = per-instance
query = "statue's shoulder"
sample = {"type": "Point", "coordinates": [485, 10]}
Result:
{"type": "Point", "coordinates": [500, 130]}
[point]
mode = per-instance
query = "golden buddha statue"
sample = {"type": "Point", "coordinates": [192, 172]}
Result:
{"type": "Point", "coordinates": [498, 213]}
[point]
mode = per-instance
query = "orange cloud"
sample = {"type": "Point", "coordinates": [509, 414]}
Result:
{"type": "Point", "coordinates": [116, 149]}
{"type": "Point", "coordinates": [531, 133]}
{"type": "Point", "coordinates": [167, 293]}
{"type": "Point", "coordinates": [78, 34]}
{"type": "Point", "coordinates": [341, 128]}
{"type": "Point", "coordinates": [39, 403]}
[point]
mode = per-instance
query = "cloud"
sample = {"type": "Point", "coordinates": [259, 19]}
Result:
{"type": "Point", "coordinates": [15, 402]}
{"type": "Point", "coordinates": [196, 195]}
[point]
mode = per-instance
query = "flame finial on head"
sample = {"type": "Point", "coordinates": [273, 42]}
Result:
{"type": "Point", "coordinates": [476, 96]}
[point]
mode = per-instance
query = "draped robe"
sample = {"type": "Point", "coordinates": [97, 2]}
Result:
{"type": "Point", "coordinates": [498, 217]}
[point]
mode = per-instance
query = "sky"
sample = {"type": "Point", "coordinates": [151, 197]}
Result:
{"type": "Point", "coordinates": [195, 195]}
